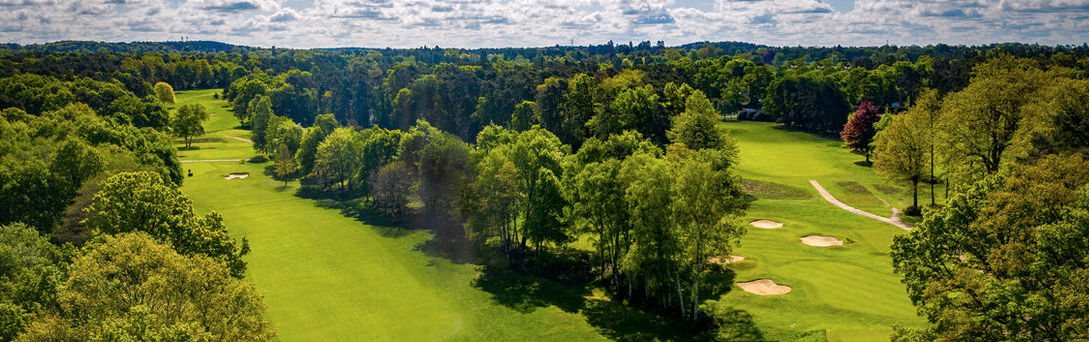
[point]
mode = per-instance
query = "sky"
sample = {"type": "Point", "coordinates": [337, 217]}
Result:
{"type": "Point", "coordinates": [518, 23]}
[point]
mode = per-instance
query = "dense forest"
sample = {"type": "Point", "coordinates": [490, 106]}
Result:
{"type": "Point", "coordinates": [515, 153]}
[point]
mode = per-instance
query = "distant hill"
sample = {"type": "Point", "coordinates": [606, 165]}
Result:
{"type": "Point", "coordinates": [132, 47]}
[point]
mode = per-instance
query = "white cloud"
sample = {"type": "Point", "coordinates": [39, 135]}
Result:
{"type": "Point", "coordinates": [474, 23]}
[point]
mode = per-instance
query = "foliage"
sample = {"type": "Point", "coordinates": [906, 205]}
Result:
{"type": "Point", "coordinates": [165, 92]}
{"type": "Point", "coordinates": [30, 270]}
{"type": "Point", "coordinates": [143, 202]}
{"type": "Point", "coordinates": [128, 288]}
{"type": "Point", "coordinates": [858, 133]}
{"type": "Point", "coordinates": [900, 152]}
{"type": "Point", "coordinates": [1005, 259]}
{"type": "Point", "coordinates": [285, 163]}
{"type": "Point", "coordinates": [188, 122]}
{"type": "Point", "coordinates": [338, 158]}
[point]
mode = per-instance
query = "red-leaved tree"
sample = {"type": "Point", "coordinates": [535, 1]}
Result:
{"type": "Point", "coordinates": [859, 131]}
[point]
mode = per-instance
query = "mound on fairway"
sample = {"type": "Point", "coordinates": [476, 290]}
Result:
{"type": "Point", "coordinates": [726, 259]}
{"type": "Point", "coordinates": [237, 175]}
{"type": "Point", "coordinates": [821, 241]}
{"type": "Point", "coordinates": [764, 287]}
{"type": "Point", "coordinates": [766, 224]}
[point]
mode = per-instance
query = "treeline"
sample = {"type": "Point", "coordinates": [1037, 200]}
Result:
{"type": "Point", "coordinates": [96, 240]}
{"type": "Point", "coordinates": [657, 213]}
{"type": "Point", "coordinates": [462, 91]}
{"type": "Point", "coordinates": [1004, 258]}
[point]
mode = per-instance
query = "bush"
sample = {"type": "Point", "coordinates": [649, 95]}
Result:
{"type": "Point", "coordinates": [761, 117]}
{"type": "Point", "coordinates": [743, 115]}
{"type": "Point", "coordinates": [912, 210]}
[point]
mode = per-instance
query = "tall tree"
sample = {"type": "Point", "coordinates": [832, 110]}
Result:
{"type": "Point", "coordinates": [142, 201]}
{"type": "Point", "coordinates": [188, 122]}
{"type": "Point", "coordinates": [165, 92]}
{"type": "Point", "coordinates": [285, 163]}
{"type": "Point", "coordinates": [260, 116]}
{"type": "Point", "coordinates": [859, 131]}
{"type": "Point", "coordinates": [1005, 259]}
{"type": "Point", "coordinates": [128, 288]}
{"type": "Point", "coordinates": [901, 151]}
{"type": "Point", "coordinates": [706, 202]}
{"type": "Point", "coordinates": [338, 158]}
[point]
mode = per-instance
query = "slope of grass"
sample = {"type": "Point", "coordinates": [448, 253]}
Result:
{"type": "Point", "coordinates": [327, 277]}
{"type": "Point", "coordinates": [848, 291]}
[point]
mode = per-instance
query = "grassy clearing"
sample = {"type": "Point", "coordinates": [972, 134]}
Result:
{"type": "Point", "coordinates": [849, 292]}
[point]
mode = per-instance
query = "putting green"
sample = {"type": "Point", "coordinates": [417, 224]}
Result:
{"type": "Point", "coordinates": [850, 291]}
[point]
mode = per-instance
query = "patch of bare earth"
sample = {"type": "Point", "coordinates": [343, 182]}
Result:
{"type": "Point", "coordinates": [237, 175]}
{"type": "Point", "coordinates": [764, 287]}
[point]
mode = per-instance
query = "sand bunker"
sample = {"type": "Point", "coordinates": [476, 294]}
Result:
{"type": "Point", "coordinates": [237, 175]}
{"type": "Point", "coordinates": [764, 287]}
{"type": "Point", "coordinates": [766, 224]}
{"type": "Point", "coordinates": [726, 260]}
{"type": "Point", "coordinates": [821, 241]}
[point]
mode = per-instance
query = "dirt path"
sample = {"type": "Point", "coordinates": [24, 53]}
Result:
{"type": "Point", "coordinates": [832, 199]}
{"type": "Point", "coordinates": [236, 138]}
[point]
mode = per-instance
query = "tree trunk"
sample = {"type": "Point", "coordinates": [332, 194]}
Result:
{"type": "Point", "coordinates": [915, 193]}
{"type": "Point", "coordinates": [695, 297]}
{"type": "Point", "coordinates": [680, 297]}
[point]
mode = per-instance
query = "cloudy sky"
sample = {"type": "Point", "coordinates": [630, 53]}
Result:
{"type": "Point", "coordinates": [492, 23]}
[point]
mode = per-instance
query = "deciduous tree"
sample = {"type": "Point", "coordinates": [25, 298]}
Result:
{"type": "Point", "coordinates": [188, 122]}
{"type": "Point", "coordinates": [859, 131]}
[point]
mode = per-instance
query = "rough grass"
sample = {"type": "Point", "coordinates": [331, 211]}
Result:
{"type": "Point", "coordinates": [769, 190]}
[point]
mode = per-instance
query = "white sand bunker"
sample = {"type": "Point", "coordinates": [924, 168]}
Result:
{"type": "Point", "coordinates": [726, 260]}
{"type": "Point", "coordinates": [764, 287]}
{"type": "Point", "coordinates": [821, 241]}
{"type": "Point", "coordinates": [766, 224]}
{"type": "Point", "coordinates": [237, 175]}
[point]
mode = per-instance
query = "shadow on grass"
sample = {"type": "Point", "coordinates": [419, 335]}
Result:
{"type": "Point", "coordinates": [864, 163]}
{"type": "Point", "coordinates": [562, 278]}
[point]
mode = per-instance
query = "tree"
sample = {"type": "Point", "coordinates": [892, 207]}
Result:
{"type": "Point", "coordinates": [859, 131]}
{"type": "Point", "coordinates": [338, 157]}
{"type": "Point", "coordinates": [706, 202]}
{"type": "Point", "coordinates": [143, 202]}
{"type": "Point", "coordinates": [128, 288]}
{"type": "Point", "coordinates": [1006, 259]}
{"type": "Point", "coordinates": [188, 122]}
{"type": "Point", "coordinates": [698, 129]}
{"type": "Point", "coordinates": [900, 152]}
{"type": "Point", "coordinates": [165, 92]}
{"type": "Point", "coordinates": [30, 269]}
{"type": "Point", "coordinates": [285, 163]}
{"type": "Point", "coordinates": [391, 186]}
{"type": "Point", "coordinates": [983, 125]}
{"type": "Point", "coordinates": [523, 118]}
{"type": "Point", "coordinates": [632, 109]}
{"type": "Point", "coordinates": [260, 116]}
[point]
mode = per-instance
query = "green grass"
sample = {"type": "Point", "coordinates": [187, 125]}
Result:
{"type": "Point", "coordinates": [329, 277]}
{"type": "Point", "coordinates": [848, 291]}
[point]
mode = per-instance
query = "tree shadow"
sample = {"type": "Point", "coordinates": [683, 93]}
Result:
{"type": "Point", "coordinates": [622, 322]}
{"type": "Point", "coordinates": [527, 292]}
{"type": "Point", "coordinates": [864, 163]}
